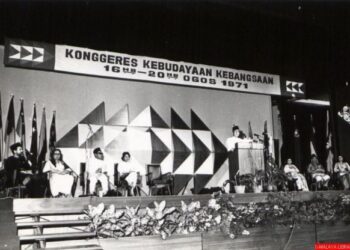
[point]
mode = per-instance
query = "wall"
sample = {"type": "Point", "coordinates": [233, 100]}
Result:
{"type": "Point", "coordinates": [74, 96]}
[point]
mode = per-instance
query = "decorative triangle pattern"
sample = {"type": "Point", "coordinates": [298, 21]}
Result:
{"type": "Point", "coordinates": [157, 121]}
{"type": "Point", "coordinates": [121, 118]}
{"type": "Point", "coordinates": [97, 116]}
{"type": "Point", "coordinates": [189, 153]}
{"type": "Point", "coordinates": [176, 121]}
{"type": "Point", "coordinates": [200, 181]}
{"type": "Point", "coordinates": [159, 150]}
{"type": "Point", "coordinates": [202, 152]}
{"type": "Point", "coordinates": [197, 123]}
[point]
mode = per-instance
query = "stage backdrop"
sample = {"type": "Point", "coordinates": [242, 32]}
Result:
{"type": "Point", "coordinates": [182, 128]}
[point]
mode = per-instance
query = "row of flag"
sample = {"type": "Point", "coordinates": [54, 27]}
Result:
{"type": "Point", "coordinates": [12, 134]}
{"type": "Point", "coordinates": [329, 149]}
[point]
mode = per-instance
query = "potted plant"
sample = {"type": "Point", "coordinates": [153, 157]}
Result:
{"type": "Point", "coordinates": [243, 183]}
{"type": "Point", "coordinates": [258, 181]}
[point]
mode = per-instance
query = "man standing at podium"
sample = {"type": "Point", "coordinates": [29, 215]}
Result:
{"type": "Point", "coordinates": [237, 137]}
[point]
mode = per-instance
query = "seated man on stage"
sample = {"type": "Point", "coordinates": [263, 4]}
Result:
{"type": "Point", "coordinates": [129, 169]}
{"type": "Point", "coordinates": [345, 113]}
{"type": "Point", "coordinates": [343, 172]}
{"type": "Point", "coordinates": [237, 137]}
{"type": "Point", "coordinates": [318, 173]}
{"type": "Point", "coordinates": [61, 180]}
{"type": "Point", "coordinates": [292, 173]}
{"type": "Point", "coordinates": [18, 168]}
{"type": "Point", "coordinates": [97, 171]}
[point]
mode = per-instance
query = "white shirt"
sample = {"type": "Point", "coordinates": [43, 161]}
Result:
{"type": "Point", "coordinates": [131, 166]}
{"type": "Point", "coordinates": [231, 142]}
{"type": "Point", "coordinates": [94, 164]}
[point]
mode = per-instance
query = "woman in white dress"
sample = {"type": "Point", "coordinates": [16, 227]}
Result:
{"type": "Point", "coordinates": [292, 172]}
{"type": "Point", "coordinates": [343, 172]}
{"type": "Point", "coordinates": [129, 169]}
{"type": "Point", "coordinates": [61, 180]}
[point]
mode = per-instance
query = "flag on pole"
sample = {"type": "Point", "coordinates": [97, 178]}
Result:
{"type": "Point", "coordinates": [21, 129]}
{"type": "Point", "coordinates": [1, 138]}
{"type": "Point", "coordinates": [42, 141]}
{"type": "Point", "coordinates": [52, 141]}
{"type": "Point", "coordinates": [312, 138]}
{"type": "Point", "coordinates": [266, 142]}
{"type": "Point", "coordinates": [329, 147]}
{"type": "Point", "coordinates": [297, 146]}
{"type": "Point", "coordinates": [34, 142]}
{"type": "Point", "coordinates": [10, 134]}
{"type": "Point", "coordinates": [250, 131]}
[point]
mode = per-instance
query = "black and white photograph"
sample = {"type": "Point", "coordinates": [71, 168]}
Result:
{"type": "Point", "coordinates": [174, 124]}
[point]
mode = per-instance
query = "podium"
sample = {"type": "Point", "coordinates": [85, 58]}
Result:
{"type": "Point", "coordinates": [247, 158]}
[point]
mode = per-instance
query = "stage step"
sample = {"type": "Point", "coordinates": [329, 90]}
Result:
{"type": "Point", "coordinates": [82, 247]}
{"type": "Point", "coordinates": [58, 236]}
{"type": "Point", "coordinates": [57, 223]}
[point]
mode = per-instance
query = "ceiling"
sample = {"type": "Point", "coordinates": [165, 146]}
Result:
{"type": "Point", "coordinates": [304, 40]}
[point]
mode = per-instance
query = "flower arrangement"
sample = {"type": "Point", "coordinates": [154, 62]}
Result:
{"type": "Point", "coordinates": [220, 213]}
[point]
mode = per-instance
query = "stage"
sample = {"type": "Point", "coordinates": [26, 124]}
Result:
{"type": "Point", "coordinates": [54, 223]}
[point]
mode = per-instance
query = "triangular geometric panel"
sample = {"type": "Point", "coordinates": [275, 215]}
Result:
{"type": "Point", "coordinates": [197, 123]}
{"type": "Point", "coordinates": [200, 181]}
{"type": "Point", "coordinates": [217, 145]}
{"type": "Point", "coordinates": [219, 160]}
{"type": "Point", "coordinates": [187, 167]}
{"type": "Point", "coordinates": [96, 140]}
{"type": "Point", "coordinates": [37, 52]}
{"type": "Point", "coordinates": [165, 136]}
{"type": "Point", "coordinates": [206, 138]}
{"type": "Point", "coordinates": [121, 118]}
{"type": "Point", "coordinates": [185, 136]}
{"type": "Point", "coordinates": [86, 131]}
{"type": "Point", "coordinates": [176, 121]}
{"type": "Point", "coordinates": [220, 153]}
{"type": "Point", "coordinates": [159, 149]}
{"type": "Point", "coordinates": [26, 53]}
{"type": "Point", "coordinates": [201, 152]}
{"type": "Point", "coordinates": [167, 164]}
{"type": "Point", "coordinates": [143, 119]}
{"type": "Point", "coordinates": [118, 145]}
{"type": "Point", "coordinates": [14, 51]}
{"type": "Point", "coordinates": [157, 121]}
{"type": "Point", "coordinates": [111, 132]}
{"type": "Point", "coordinates": [181, 152]}
{"type": "Point", "coordinates": [180, 182]}
{"type": "Point", "coordinates": [69, 140]}
{"type": "Point", "coordinates": [208, 165]}
{"type": "Point", "coordinates": [139, 139]}
{"type": "Point", "coordinates": [97, 116]}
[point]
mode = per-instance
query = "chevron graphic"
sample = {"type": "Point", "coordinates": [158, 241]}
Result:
{"type": "Point", "coordinates": [295, 87]}
{"type": "Point", "coordinates": [26, 53]}
{"type": "Point", "coordinates": [192, 154]}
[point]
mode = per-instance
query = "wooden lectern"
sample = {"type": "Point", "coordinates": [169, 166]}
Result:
{"type": "Point", "coordinates": [246, 158]}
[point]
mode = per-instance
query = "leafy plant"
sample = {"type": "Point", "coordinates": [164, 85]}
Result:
{"type": "Point", "coordinates": [220, 212]}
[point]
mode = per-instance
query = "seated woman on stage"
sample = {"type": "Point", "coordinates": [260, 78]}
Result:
{"type": "Point", "coordinates": [129, 170]}
{"type": "Point", "coordinates": [61, 180]}
{"type": "Point", "coordinates": [345, 113]}
{"type": "Point", "coordinates": [343, 172]}
{"type": "Point", "coordinates": [292, 173]}
{"type": "Point", "coordinates": [318, 173]}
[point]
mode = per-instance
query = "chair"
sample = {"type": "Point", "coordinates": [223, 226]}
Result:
{"type": "Point", "coordinates": [155, 179]}
{"type": "Point", "coordinates": [123, 185]}
{"type": "Point", "coordinates": [120, 184]}
{"type": "Point", "coordinates": [11, 188]}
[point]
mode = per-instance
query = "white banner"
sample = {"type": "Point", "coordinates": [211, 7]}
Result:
{"type": "Point", "coordinates": [64, 58]}
{"type": "Point", "coordinates": [118, 65]}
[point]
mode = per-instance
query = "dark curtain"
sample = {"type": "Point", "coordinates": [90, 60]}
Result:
{"type": "Point", "coordinates": [303, 114]}
{"type": "Point", "coordinates": [340, 98]}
